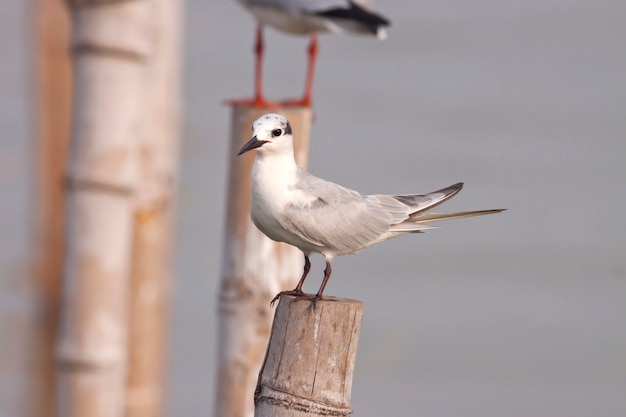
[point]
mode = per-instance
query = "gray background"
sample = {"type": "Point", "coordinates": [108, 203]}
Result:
{"type": "Point", "coordinates": [523, 313]}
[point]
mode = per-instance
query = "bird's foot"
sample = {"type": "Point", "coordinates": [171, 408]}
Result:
{"type": "Point", "coordinates": [299, 294]}
{"type": "Point", "coordinates": [258, 102]}
{"type": "Point", "coordinates": [313, 298]}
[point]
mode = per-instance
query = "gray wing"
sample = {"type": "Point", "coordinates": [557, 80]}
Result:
{"type": "Point", "coordinates": [300, 6]}
{"type": "Point", "coordinates": [339, 218]}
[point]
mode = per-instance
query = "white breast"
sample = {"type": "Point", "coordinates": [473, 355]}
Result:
{"type": "Point", "coordinates": [273, 188]}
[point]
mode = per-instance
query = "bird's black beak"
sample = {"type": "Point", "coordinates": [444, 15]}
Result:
{"type": "Point", "coordinates": [251, 144]}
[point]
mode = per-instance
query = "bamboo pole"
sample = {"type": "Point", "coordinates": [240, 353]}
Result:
{"type": "Point", "coordinates": [254, 269]}
{"type": "Point", "coordinates": [148, 303]}
{"type": "Point", "coordinates": [310, 359]}
{"type": "Point", "coordinates": [111, 41]}
{"type": "Point", "coordinates": [151, 265]}
{"type": "Point", "coordinates": [53, 93]}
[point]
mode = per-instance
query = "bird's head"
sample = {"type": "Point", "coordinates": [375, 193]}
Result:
{"type": "Point", "coordinates": [271, 132]}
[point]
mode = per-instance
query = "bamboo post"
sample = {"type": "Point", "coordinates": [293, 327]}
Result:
{"type": "Point", "coordinates": [148, 303]}
{"type": "Point", "coordinates": [310, 359]}
{"type": "Point", "coordinates": [111, 41]}
{"type": "Point", "coordinates": [53, 81]}
{"type": "Point", "coordinates": [254, 269]}
{"type": "Point", "coordinates": [151, 260]}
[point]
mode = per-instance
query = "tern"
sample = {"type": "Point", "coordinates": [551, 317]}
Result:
{"type": "Point", "coordinates": [308, 17]}
{"type": "Point", "coordinates": [291, 205]}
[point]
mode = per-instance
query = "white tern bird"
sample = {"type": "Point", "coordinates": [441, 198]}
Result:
{"type": "Point", "coordinates": [308, 17]}
{"type": "Point", "coordinates": [290, 205]}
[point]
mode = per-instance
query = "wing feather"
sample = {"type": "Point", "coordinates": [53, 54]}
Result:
{"type": "Point", "coordinates": [337, 218]}
{"type": "Point", "coordinates": [300, 6]}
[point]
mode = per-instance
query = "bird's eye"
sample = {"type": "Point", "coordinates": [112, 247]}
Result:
{"type": "Point", "coordinates": [276, 132]}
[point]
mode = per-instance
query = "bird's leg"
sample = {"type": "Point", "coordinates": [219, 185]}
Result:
{"type": "Point", "coordinates": [327, 272]}
{"type": "Point", "coordinates": [258, 68]}
{"type": "Point", "coordinates": [310, 75]}
{"type": "Point", "coordinates": [305, 272]}
{"type": "Point", "coordinates": [298, 290]}
{"type": "Point", "coordinates": [308, 91]}
{"type": "Point", "coordinates": [258, 100]}
{"type": "Point", "coordinates": [318, 296]}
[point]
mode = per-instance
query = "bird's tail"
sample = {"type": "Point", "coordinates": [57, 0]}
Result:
{"type": "Point", "coordinates": [422, 222]}
{"type": "Point", "coordinates": [435, 217]}
{"type": "Point", "coordinates": [420, 218]}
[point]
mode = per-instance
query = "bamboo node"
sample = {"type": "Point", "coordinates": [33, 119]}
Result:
{"type": "Point", "coordinates": [125, 54]}
{"type": "Point", "coordinates": [86, 362]}
{"type": "Point", "coordinates": [234, 291]}
{"type": "Point", "coordinates": [89, 184]}
{"type": "Point", "coordinates": [294, 402]}
{"type": "Point", "coordinates": [93, 3]}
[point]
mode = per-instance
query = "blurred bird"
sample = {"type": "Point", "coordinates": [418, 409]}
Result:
{"type": "Point", "coordinates": [292, 206]}
{"type": "Point", "coordinates": [308, 17]}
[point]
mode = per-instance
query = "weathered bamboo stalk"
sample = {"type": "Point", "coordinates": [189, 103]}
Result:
{"type": "Point", "coordinates": [310, 359]}
{"type": "Point", "coordinates": [254, 269]}
{"type": "Point", "coordinates": [110, 45]}
{"type": "Point", "coordinates": [53, 81]}
{"type": "Point", "coordinates": [148, 304]}
{"type": "Point", "coordinates": [151, 263]}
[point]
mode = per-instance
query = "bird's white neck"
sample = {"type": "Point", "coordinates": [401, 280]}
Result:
{"type": "Point", "coordinates": [274, 176]}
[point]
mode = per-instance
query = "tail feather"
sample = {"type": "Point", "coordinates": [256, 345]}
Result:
{"type": "Point", "coordinates": [435, 217]}
{"type": "Point", "coordinates": [422, 223]}
{"type": "Point", "coordinates": [419, 218]}
{"type": "Point", "coordinates": [422, 202]}
{"type": "Point", "coordinates": [410, 227]}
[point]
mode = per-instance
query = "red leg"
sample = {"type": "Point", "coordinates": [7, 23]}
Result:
{"type": "Point", "coordinates": [327, 272]}
{"type": "Point", "coordinates": [258, 100]}
{"type": "Point", "coordinates": [259, 49]}
{"type": "Point", "coordinates": [306, 100]}
{"type": "Point", "coordinates": [298, 290]}
{"type": "Point", "coordinates": [318, 296]}
{"type": "Point", "coordinates": [310, 75]}
{"type": "Point", "coordinates": [305, 272]}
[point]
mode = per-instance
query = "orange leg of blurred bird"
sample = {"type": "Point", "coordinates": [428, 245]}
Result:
{"type": "Point", "coordinates": [259, 49]}
{"type": "Point", "coordinates": [258, 100]}
{"type": "Point", "coordinates": [306, 100]}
